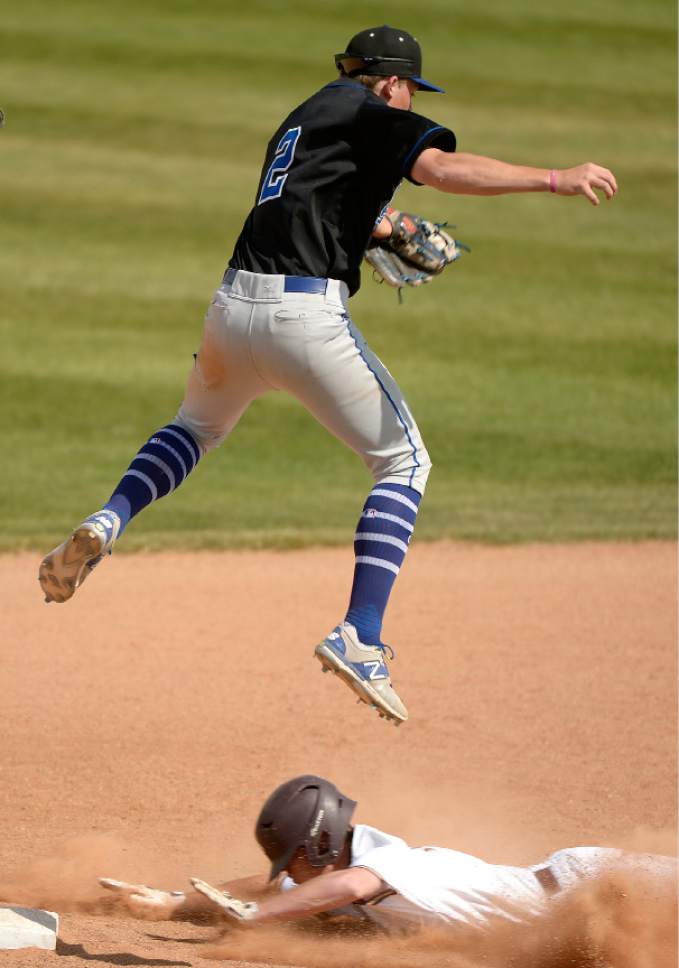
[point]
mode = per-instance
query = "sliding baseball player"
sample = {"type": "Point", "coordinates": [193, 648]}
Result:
{"type": "Point", "coordinates": [322, 864]}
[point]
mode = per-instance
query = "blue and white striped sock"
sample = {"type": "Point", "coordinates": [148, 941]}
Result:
{"type": "Point", "coordinates": [162, 464]}
{"type": "Point", "coordinates": [380, 545]}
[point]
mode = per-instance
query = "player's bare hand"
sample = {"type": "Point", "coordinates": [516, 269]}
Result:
{"type": "Point", "coordinates": [586, 180]}
{"type": "Point", "coordinates": [383, 227]}
{"type": "Point", "coordinates": [145, 902]}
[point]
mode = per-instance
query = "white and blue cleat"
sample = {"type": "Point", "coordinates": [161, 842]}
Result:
{"type": "Point", "coordinates": [363, 668]}
{"type": "Point", "coordinates": [67, 566]}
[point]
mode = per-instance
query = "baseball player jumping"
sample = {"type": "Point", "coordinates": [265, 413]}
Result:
{"type": "Point", "coordinates": [321, 864]}
{"type": "Point", "coordinates": [280, 321]}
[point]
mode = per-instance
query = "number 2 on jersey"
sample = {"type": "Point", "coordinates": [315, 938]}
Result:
{"type": "Point", "coordinates": [278, 169]}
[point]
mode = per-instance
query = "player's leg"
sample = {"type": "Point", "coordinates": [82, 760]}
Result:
{"type": "Point", "coordinates": [574, 865]}
{"type": "Point", "coordinates": [220, 386]}
{"type": "Point", "coordinates": [331, 370]}
{"type": "Point", "coordinates": [400, 465]}
{"type": "Point", "coordinates": [387, 437]}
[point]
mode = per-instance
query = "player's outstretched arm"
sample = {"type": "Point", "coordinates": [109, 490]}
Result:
{"type": "Point", "coordinates": [142, 901]}
{"type": "Point", "coordinates": [465, 174]}
{"type": "Point", "coordinates": [327, 892]}
{"type": "Point", "coordinates": [151, 904]}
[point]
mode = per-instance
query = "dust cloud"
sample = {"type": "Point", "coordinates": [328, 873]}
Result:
{"type": "Point", "coordinates": [621, 920]}
{"type": "Point", "coordinates": [613, 922]}
{"type": "Point", "coordinates": [66, 881]}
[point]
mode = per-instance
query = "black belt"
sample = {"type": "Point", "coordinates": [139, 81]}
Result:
{"type": "Point", "coordinates": [547, 880]}
{"type": "Point", "coordinates": [311, 284]}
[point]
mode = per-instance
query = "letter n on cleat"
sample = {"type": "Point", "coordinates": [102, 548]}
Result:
{"type": "Point", "coordinates": [375, 667]}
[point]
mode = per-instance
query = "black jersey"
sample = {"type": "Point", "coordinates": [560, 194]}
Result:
{"type": "Point", "coordinates": [330, 169]}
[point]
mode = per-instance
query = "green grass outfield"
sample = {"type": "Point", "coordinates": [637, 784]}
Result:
{"type": "Point", "coordinates": [541, 368]}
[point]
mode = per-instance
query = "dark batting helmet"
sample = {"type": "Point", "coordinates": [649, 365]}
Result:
{"type": "Point", "coordinates": [308, 812]}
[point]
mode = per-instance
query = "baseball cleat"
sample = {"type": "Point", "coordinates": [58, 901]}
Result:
{"type": "Point", "coordinates": [363, 668]}
{"type": "Point", "coordinates": [65, 568]}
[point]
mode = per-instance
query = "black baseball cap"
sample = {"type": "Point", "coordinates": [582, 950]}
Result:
{"type": "Point", "coordinates": [385, 51]}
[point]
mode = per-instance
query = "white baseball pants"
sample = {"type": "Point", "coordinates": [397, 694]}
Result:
{"type": "Point", "coordinates": [574, 865]}
{"type": "Point", "coordinates": [259, 337]}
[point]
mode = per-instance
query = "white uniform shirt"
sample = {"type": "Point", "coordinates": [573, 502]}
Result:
{"type": "Point", "coordinates": [433, 884]}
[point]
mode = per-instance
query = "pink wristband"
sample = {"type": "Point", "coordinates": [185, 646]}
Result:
{"type": "Point", "coordinates": [552, 180]}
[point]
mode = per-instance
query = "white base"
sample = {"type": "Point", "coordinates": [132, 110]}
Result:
{"type": "Point", "coordinates": [27, 928]}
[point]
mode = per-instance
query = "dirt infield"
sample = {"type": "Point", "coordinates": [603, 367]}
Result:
{"type": "Point", "coordinates": [144, 722]}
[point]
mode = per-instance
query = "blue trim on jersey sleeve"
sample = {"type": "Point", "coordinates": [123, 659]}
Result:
{"type": "Point", "coordinates": [410, 157]}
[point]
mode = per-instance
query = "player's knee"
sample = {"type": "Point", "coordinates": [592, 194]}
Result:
{"type": "Point", "coordinates": [206, 437]}
{"type": "Point", "coordinates": [418, 471]}
{"type": "Point", "coordinates": [410, 468]}
{"type": "Point", "coordinates": [425, 465]}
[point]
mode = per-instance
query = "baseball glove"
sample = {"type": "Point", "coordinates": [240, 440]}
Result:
{"type": "Point", "coordinates": [416, 251]}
